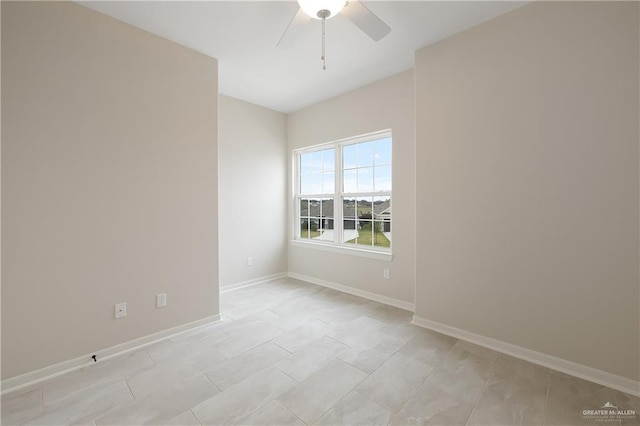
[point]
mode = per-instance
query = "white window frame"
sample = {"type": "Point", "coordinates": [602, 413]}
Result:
{"type": "Point", "coordinates": [336, 246]}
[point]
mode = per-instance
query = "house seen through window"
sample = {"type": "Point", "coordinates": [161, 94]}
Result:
{"type": "Point", "coordinates": [343, 193]}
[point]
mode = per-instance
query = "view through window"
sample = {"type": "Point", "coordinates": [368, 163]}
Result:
{"type": "Point", "coordinates": [343, 193]}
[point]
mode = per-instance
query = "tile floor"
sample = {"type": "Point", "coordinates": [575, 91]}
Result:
{"type": "Point", "coordinates": [291, 353]}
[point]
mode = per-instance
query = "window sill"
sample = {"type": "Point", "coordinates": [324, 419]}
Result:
{"type": "Point", "coordinates": [387, 256]}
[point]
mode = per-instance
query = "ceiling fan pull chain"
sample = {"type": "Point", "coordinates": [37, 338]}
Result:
{"type": "Point", "coordinates": [324, 61]}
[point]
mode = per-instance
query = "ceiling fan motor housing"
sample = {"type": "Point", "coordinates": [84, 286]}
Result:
{"type": "Point", "coordinates": [321, 9]}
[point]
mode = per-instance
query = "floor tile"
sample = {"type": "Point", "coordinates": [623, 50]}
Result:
{"type": "Point", "coordinates": [284, 323]}
{"type": "Point", "coordinates": [210, 333]}
{"type": "Point", "coordinates": [463, 374]}
{"type": "Point", "coordinates": [148, 382]}
{"type": "Point", "coordinates": [395, 381]}
{"type": "Point", "coordinates": [480, 351]}
{"type": "Point", "coordinates": [298, 338]}
{"type": "Point", "coordinates": [515, 394]}
{"type": "Point", "coordinates": [246, 325]}
{"type": "Point", "coordinates": [624, 401]}
{"type": "Point", "coordinates": [203, 360]}
{"type": "Point", "coordinates": [162, 405]}
{"type": "Point", "coordinates": [21, 406]}
{"type": "Point", "coordinates": [342, 315]}
{"type": "Point", "coordinates": [355, 332]}
{"type": "Point", "coordinates": [272, 414]}
{"type": "Point", "coordinates": [428, 347]}
{"type": "Point", "coordinates": [312, 358]}
{"type": "Point", "coordinates": [518, 373]}
{"type": "Point", "coordinates": [303, 304]}
{"type": "Point", "coordinates": [86, 406]}
{"type": "Point", "coordinates": [367, 358]}
{"type": "Point", "coordinates": [232, 371]}
{"type": "Point", "coordinates": [376, 348]}
{"type": "Point", "coordinates": [315, 395]}
{"type": "Point", "coordinates": [119, 367]}
{"type": "Point", "coordinates": [391, 315]}
{"type": "Point", "coordinates": [248, 340]}
{"type": "Point", "coordinates": [186, 418]}
{"type": "Point", "coordinates": [288, 323]}
{"type": "Point", "coordinates": [240, 400]}
{"type": "Point", "coordinates": [433, 406]}
{"type": "Point", "coordinates": [355, 409]}
{"type": "Point", "coordinates": [92, 379]}
{"type": "Point", "coordinates": [500, 406]}
{"type": "Point", "coordinates": [569, 397]}
{"type": "Point", "coordinates": [179, 351]}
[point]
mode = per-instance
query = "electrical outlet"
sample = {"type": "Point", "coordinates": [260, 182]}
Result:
{"type": "Point", "coordinates": [121, 310]}
{"type": "Point", "coordinates": [386, 273]}
{"type": "Point", "coordinates": [161, 300]}
{"type": "Point", "coordinates": [249, 261]}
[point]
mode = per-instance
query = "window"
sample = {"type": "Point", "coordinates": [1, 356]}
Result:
{"type": "Point", "coordinates": [343, 193]}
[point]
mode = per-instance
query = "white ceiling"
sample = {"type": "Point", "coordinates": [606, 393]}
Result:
{"type": "Point", "coordinates": [242, 35]}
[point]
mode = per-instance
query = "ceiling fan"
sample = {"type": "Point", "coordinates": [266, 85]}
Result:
{"type": "Point", "coordinates": [322, 10]}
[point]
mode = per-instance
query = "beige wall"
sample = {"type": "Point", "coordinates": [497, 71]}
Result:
{"type": "Point", "coordinates": [109, 183]}
{"type": "Point", "coordinates": [386, 104]}
{"type": "Point", "coordinates": [527, 145]}
{"type": "Point", "coordinates": [252, 191]}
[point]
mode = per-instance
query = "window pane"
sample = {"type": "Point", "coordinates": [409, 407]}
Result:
{"type": "Point", "coordinates": [309, 223]}
{"type": "Point", "coordinates": [326, 222]}
{"type": "Point", "coordinates": [363, 207]}
{"type": "Point", "coordinates": [304, 207]}
{"type": "Point", "coordinates": [328, 183]}
{"type": "Point", "coordinates": [361, 235]}
{"type": "Point", "coordinates": [314, 207]}
{"type": "Point", "coordinates": [382, 178]}
{"type": "Point", "coordinates": [382, 206]}
{"type": "Point", "coordinates": [304, 227]}
{"type": "Point", "coordinates": [349, 223]}
{"type": "Point", "coordinates": [327, 208]}
{"type": "Point", "coordinates": [316, 162]}
{"type": "Point", "coordinates": [305, 163]}
{"type": "Point", "coordinates": [365, 179]}
{"type": "Point", "coordinates": [311, 183]}
{"type": "Point", "coordinates": [363, 222]}
{"type": "Point", "coordinates": [382, 225]}
{"type": "Point", "coordinates": [329, 160]}
{"type": "Point", "coordinates": [383, 151]}
{"type": "Point", "coordinates": [349, 156]}
{"type": "Point", "coordinates": [311, 229]}
{"type": "Point", "coordinates": [349, 207]}
{"type": "Point", "coordinates": [365, 154]}
{"type": "Point", "coordinates": [350, 180]}
{"type": "Point", "coordinates": [381, 238]}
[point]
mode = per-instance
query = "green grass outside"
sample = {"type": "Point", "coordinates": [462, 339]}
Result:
{"type": "Point", "coordinates": [364, 238]}
{"type": "Point", "coordinates": [309, 234]}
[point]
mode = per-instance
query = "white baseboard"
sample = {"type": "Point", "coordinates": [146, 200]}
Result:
{"type": "Point", "coordinates": [574, 369]}
{"type": "Point", "coordinates": [46, 373]}
{"type": "Point", "coordinates": [356, 292]}
{"type": "Point", "coordinates": [249, 283]}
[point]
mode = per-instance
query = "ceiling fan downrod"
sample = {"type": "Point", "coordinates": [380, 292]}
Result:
{"type": "Point", "coordinates": [323, 14]}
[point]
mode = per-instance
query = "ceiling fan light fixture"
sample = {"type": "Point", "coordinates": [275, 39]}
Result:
{"type": "Point", "coordinates": [316, 8]}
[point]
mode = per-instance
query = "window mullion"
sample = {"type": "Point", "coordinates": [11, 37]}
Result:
{"type": "Point", "coordinates": [297, 196]}
{"type": "Point", "coordinates": [337, 199]}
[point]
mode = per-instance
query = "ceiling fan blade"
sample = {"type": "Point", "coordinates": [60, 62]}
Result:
{"type": "Point", "coordinates": [366, 20]}
{"type": "Point", "coordinates": [294, 29]}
